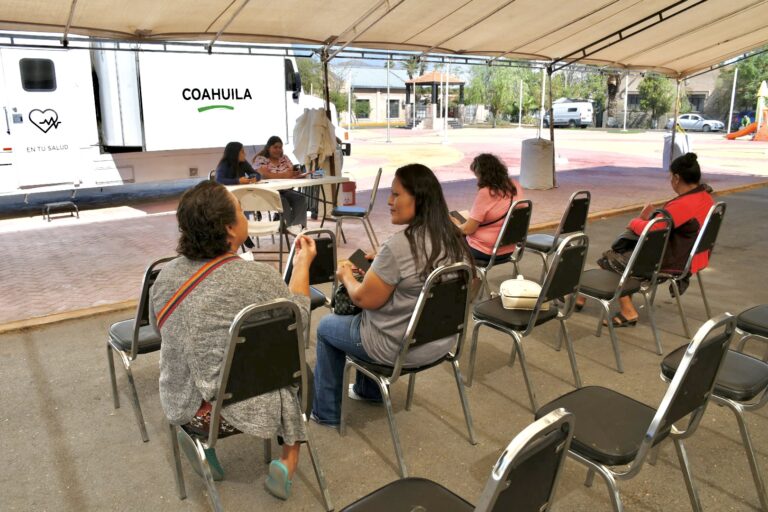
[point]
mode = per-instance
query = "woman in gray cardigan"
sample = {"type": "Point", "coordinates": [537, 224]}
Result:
{"type": "Point", "coordinates": [195, 334]}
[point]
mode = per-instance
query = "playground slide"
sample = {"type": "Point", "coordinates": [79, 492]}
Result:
{"type": "Point", "coordinates": [750, 128]}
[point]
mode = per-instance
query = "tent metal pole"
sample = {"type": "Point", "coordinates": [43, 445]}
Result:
{"type": "Point", "coordinates": [387, 107]}
{"type": "Point", "coordinates": [543, 94]}
{"type": "Point", "coordinates": [226, 25]}
{"type": "Point", "coordinates": [626, 99]}
{"type": "Point", "coordinates": [733, 98]}
{"type": "Point", "coordinates": [551, 126]}
{"type": "Point", "coordinates": [327, 96]}
{"type": "Point", "coordinates": [520, 108]}
{"type": "Point", "coordinates": [674, 123]}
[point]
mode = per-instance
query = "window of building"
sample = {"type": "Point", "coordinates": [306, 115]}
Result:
{"type": "Point", "coordinates": [697, 102]}
{"type": "Point", "coordinates": [394, 109]}
{"type": "Point", "coordinates": [633, 102]}
{"type": "Point", "coordinates": [363, 109]}
{"type": "Point", "coordinates": [37, 74]}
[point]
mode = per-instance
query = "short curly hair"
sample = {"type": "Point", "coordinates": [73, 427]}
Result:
{"type": "Point", "coordinates": [203, 215]}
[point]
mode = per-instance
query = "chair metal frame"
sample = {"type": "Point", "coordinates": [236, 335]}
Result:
{"type": "Point", "coordinates": [565, 227]}
{"type": "Point", "coordinates": [569, 243]}
{"type": "Point", "coordinates": [255, 198]}
{"type": "Point", "coordinates": [141, 321]}
{"type": "Point", "coordinates": [518, 215]}
{"type": "Point", "coordinates": [704, 241]}
{"type": "Point", "coordinates": [201, 444]}
{"type": "Point", "coordinates": [659, 423]}
{"type": "Point", "coordinates": [365, 218]}
{"type": "Point", "coordinates": [386, 381]}
{"type": "Point", "coordinates": [314, 277]}
{"type": "Point", "coordinates": [646, 290]}
{"type": "Point", "coordinates": [549, 434]}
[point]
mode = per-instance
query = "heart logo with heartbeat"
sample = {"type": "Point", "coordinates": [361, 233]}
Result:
{"type": "Point", "coordinates": [44, 119]}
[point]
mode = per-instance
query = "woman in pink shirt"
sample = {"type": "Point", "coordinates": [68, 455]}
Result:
{"type": "Point", "coordinates": [496, 192]}
{"type": "Point", "coordinates": [272, 163]}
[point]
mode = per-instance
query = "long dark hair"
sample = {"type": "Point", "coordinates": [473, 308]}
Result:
{"type": "Point", "coordinates": [203, 215]}
{"type": "Point", "coordinates": [492, 173]}
{"type": "Point", "coordinates": [687, 167]}
{"type": "Point", "coordinates": [270, 142]}
{"type": "Point", "coordinates": [431, 221]}
{"type": "Point", "coordinates": [232, 155]}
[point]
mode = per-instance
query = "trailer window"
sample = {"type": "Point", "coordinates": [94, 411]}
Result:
{"type": "Point", "coordinates": [37, 74]}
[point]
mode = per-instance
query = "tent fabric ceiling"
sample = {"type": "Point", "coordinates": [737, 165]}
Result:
{"type": "Point", "coordinates": [697, 34]}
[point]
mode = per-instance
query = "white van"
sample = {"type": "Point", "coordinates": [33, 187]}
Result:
{"type": "Point", "coordinates": [571, 113]}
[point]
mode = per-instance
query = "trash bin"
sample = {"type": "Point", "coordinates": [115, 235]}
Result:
{"type": "Point", "coordinates": [348, 193]}
{"type": "Point", "coordinates": [682, 146]}
{"type": "Point", "coordinates": [537, 164]}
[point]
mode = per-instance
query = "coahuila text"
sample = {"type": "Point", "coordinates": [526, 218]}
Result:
{"type": "Point", "coordinates": [216, 94]}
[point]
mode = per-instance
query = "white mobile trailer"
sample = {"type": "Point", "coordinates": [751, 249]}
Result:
{"type": "Point", "coordinates": [79, 119]}
{"type": "Point", "coordinates": [571, 113]}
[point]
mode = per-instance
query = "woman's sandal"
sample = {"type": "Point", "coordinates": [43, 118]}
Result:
{"type": "Point", "coordinates": [578, 307]}
{"type": "Point", "coordinates": [622, 321]}
{"type": "Point", "coordinates": [278, 483]}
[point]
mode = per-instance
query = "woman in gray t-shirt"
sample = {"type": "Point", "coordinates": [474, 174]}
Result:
{"type": "Point", "coordinates": [388, 293]}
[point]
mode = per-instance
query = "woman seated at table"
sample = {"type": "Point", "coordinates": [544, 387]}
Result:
{"type": "Point", "coordinates": [272, 163]}
{"type": "Point", "coordinates": [496, 191]}
{"type": "Point", "coordinates": [233, 169]}
{"type": "Point", "coordinates": [688, 211]}
{"type": "Point", "coordinates": [196, 332]}
{"type": "Point", "coordinates": [388, 293]}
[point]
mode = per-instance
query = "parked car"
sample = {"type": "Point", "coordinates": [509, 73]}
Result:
{"type": "Point", "coordinates": [570, 113]}
{"type": "Point", "coordinates": [696, 122]}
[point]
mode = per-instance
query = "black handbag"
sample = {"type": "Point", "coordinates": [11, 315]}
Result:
{"type": "Point", "coordinates": [341, 303]}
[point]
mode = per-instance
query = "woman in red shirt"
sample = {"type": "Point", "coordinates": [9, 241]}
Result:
{"type": "Point", "coordinates": [496, 192]}
{"type": "Point", "coordinates": [688, 211]}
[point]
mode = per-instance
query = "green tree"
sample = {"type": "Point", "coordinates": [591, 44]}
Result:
{"type": "Point", "coordinates": [752, 72]}
{"type": "Point", "coordinates": [656, 95]}
{"type": "Point", "coordinates": [414, 66]}
{"type": "Point", "coordinates": [498, 88]}
{"type": "Point", "coordinates": [311, 71]}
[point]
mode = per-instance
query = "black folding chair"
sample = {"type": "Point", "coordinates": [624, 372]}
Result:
{"type": "Point", "coordinates": [613, 430]}
{"type": "Point", "coordinates": [442, 310]}
{"type": "Point", "coordinates": [321, 271]}
{"type": "Point", "coordinates": [562, 280]}
{"type": "Point", "coordinates": [705, 241]}
{"type": "Point", "coordinates": [640, 275]}
{"type": "Point", "coordinates": [524, 478]}
{"type": "Point", "coordinates": [342, 213]}
{"type": "Point", "coordinates": [265, 353]}
{"type": "Point", "coordinates": [130, 338]}
{"type": "Point", "coordinates": [753, 323]}
{"type": "Point", "coordinates": [574, 220]}
{"type": "Point", "coordinates": [513, 231]}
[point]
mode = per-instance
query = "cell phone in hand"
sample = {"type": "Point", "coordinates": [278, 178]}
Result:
{"type": "Point", "coordinates": [459, 217]}
{"type": "Point", "coordinates": [359, 260]}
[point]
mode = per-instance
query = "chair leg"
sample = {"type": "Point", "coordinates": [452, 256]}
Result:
{"type": "Point", "coordinates": [134, 398]}
{"type": "Point", "coordinates": [544, 267]}
{"type": "Point", "coordinates": [614, 338]}
{"type": "Point", "coordinates": [464, 401]}
{"type": "Point", "coordinates": [571, 353]}
{"type": "Point", "coordinates": [599, 329]}
{"type": "Point", "coordinates": [210, 485]}
{"type": "Point", "coordinates": [373, 232]}
{"type": "Point", "coordinates": [589, 480]}
{"type": "Point", "coordinates": [411, 387]}
{"type": "Point", "coordinates": [112, 377]}
{"type": "Point", "coordinates": [267, 450]}
{"type": "Point", "coordinates": [653, 456]}
{"type": "Point", "coordinates": [368, 232]}
{"type": "Point", "coordinates": [280, 249]}
{"type": "Point", "coordinates": [484, 288]}
{"type": "Point", "coordinates": [676, 293]}
{"type": "Point", "coordinates": [338, 229]}
{"type": "Point", "coordinates": [613, 489]}
{"type": "Point", "coordinates": [393, 428]}
{"type": "Point", "coordinates": [178, 474]}
{"type": "Point", "coordinates": [319, 474]}
{"type": "Point", "coordinates": [703, 295]}
{"type": "Point", "coordinates": [652, 319]}
{"type": "Point", "coordinates": [344, 398]}
{"type": "Point", "coordinates": [524, 366]}
{"type": "Point", "coordinates": [684, 467]}
{"type": "Point", "coordinates": [472, 355]}
{"type": "Point", "coordinates": [746, 439]}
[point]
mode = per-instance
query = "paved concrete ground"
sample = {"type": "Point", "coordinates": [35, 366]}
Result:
{"type": "Point", "coordinates": [65, 448]}
{"type": "Point", "coordinates": [96, 262]}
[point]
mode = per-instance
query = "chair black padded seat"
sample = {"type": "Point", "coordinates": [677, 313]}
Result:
{"type": "Point", "coordinates": [741, 377]}
{"type": "Point", "coordinates": [316, 298]}
{"type": "Point", "coordinates": [122, 334]}
{"type": "Point", "coordinates": [602, 284]}
{"type": "Point", "coordinates": [754, 320]}
{"type": "Point", "coordinates": [609, 426]}
{"type": "Point", "coordinates": [410, 494]}
{"type": "Point", "coordinates": [384, 368]}
{"type": "Point", "coordinates": [349, 211]}
{"type": "Point", "coordinates": [540, 242]}
{"type": "Point", "coordinates": [515, 319]}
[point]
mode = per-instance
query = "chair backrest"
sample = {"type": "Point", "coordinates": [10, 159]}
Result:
{"type": "Point", "coordinates": [525, 477]}
{"type": "Point", "coordinates": [254, 198]}
{"type": "Point", "coordinates": [515, 228]}
{"type": "Point", "coordinates": [705, 241]}
{"type": "Point", "coordinates": [442, 310]}
{"type": "Point", "coordinates": [142, 309]}
{"type": "Point", "coordinates": [374, 191]}
{"type": "Point", "coordinates": [691, 387]}
{"type": "Point", "coordinates": [265, 353]}
{"type": "Point", "coordinates": [645, 261]}
{"type": "Point", "coordinates": [323, 267]}
{"type": "Point", "coordinates": [574, 218]}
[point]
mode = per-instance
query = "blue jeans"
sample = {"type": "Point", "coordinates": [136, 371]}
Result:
{"type": "Point", "coordinates": [337, 336]}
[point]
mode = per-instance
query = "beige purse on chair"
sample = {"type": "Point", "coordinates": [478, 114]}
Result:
{"type": "Point", "coordinates": [521, 293]}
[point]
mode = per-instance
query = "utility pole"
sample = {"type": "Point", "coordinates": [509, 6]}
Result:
{"type": "Point", "coordinates": [733, 98]}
